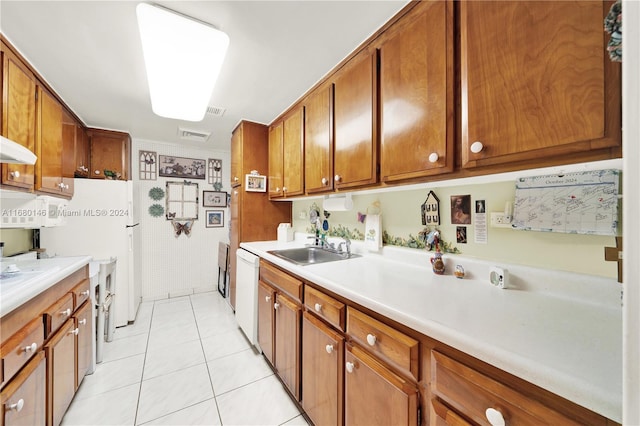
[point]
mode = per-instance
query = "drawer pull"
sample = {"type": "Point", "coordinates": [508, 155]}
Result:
{"type": "Point", "coordinates": [31, 348]}
{"type": "Point", "coordinates": [83, 321]}
{"type": "Point", "coordinates": [329, 348]}
{"type": "Point", "coordinates": [276, 306]}
{"type": "Point", "coordinates": [433, 157]}
{"type": "Point", "coordinates": [371, 339]}
{"type": "Point", "coordinates": [15, 174]}
{"type": "Point", "coordinates": [74, 331]}
{"type": "Point", "coordinates": [17, 406]}
{"type": "Point", "coordinates": [267, 299]}
{"type": "Point", "coordinates": [349, 366]}
{"type": "Point", "coordinates": [494, 417]}
{"type": "Point", "coordinates": [84, 293]}
{"type": "Point", "coordinates": [318, 307]}
{"type": "Point", "coordinates": [66, 312]}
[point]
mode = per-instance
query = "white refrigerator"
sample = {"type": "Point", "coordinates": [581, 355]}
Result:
{"type": "Point", "coordinates": [101, 222]}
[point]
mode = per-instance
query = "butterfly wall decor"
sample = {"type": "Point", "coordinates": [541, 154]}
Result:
{"type": "Point", "coordinates": [185, 227]}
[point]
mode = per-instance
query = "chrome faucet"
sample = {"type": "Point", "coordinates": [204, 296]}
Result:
{"type": "Point", "coordinates": [347, 243]}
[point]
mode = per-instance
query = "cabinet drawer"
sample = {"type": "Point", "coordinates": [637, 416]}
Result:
{"type": "Point", "coordinates": [24, 399]}
{"type": "Point", "coordinates": [471, 393]}
{"type": "Point", "coordinates": [285, 282]}
{"type": "Point", "coordinates": [325, 306]}
{"type": "Point", "coordinates": [80, 293]}
{"type": "Point", "coordinates": [395, 347]}
{"type": "Point", "coordinates": [17, 350]}
{"type": "Point", "coordinates": [57, 314]}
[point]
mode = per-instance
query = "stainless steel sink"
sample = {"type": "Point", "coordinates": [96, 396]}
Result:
{"type": "Point", "coordinates": [310, 255]}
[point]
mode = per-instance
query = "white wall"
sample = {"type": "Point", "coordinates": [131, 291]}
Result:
{"type": "Point", "coordinates": [631, 237]}
{"type": "Point", "coordinates": [169, 265]}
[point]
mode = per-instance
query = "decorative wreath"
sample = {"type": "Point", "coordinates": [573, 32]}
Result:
{"type": "Point", "coordinates": [156, 193]}
{"type": "Point", "coordinates": [613, 26]}
{"type": "Point", "coordinates": [156, 210]}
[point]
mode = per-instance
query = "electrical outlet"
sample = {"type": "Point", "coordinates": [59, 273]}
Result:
{"type": "Point", "coordinates": [499, 220]}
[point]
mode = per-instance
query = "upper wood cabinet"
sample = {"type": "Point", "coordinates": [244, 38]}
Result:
{"type": "Point", "coordinates": [355, 120]}
{"type": "Point", "coordinates": [276, 164]}
{"type": "Point", "coordinates": [81, 151]}
{"type": "Point", "coordinates": [18, 116]}
{"type": "Point", "coordinates": [109, 151]}
{"type": "Point", "coordinates": [286, 155]}
{"type": "Point", "coordinates": [318, 141]}
{"type": "Point", "coordinates": [417, 94]}
{"type": "Point", "coordinates": [253, 216]}
{"type": "Point", "coordinates": [49, 147]}
{"type": "Point", "coordinates": [547, 91]}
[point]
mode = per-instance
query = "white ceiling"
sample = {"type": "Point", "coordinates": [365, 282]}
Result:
{"type": "Point", "coordinates": [90, 54]}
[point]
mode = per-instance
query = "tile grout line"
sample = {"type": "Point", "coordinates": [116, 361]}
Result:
{"type": "Point", "coordinates": [215, 400]}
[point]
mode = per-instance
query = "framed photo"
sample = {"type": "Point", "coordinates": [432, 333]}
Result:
{"type": "Point", "coordinates": [191, 168]}
{"type": "Point", "coordinates": [215, 218]}
{"type": "Point", "coordinates": [214, 199]}
{"type": "Point", "coordinates": [255, 183]}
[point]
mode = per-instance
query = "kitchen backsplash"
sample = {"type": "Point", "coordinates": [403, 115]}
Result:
{"type": "Point", "coordinates": [401, 219]}
{"type": "Point", "coordinates": [16, 240]}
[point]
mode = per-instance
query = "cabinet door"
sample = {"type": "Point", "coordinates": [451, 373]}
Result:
{"type": "Point", "coordinates": [276, 165]}
{"type": "Point", "coordinates": [83, 321]}
{"type": "Point", "coordinates": [60, 351]}
{"type": "Point", "coordinates": [287, 342]}
{"type": "Point", "coordinates": [68, 154]}
{"type": "Point", "coordinates": [318, 141]}
{"type": "Point", "coordinates": [18, 117]}
{"type": "Point", "coordinates": [236, 157]}
{"type": "Point", "coordinates": [24, 398]}
{"type": "Point", "coordinates": [355, 145]}
{"type": "Point", "coordinates": [109, 151]}
{"type": "Point", "coordinates": [293, 153]}
{"type": "Point", "coordinates": [416, 94]}
{"type": "Point", "coordinates": [266, 329]}
{"type": "Point", "coordinates": [235, 225]}
{"type": "Point", "coordinates": [81, 152]}
{"type": "Point", "coordinates": [375, 395]}
{"type": "Point", "coordinates": [546, 92]}
{"type": "Point", "coordinates": [322, 372]}
{"type": "Point", "coordinates": [49, 145]}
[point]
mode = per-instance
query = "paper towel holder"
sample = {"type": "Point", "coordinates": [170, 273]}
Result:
{"type": "Point", "coordinates": [337, 202]}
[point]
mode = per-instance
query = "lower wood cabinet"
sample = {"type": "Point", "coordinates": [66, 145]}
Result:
{"type": "Point", "coordinates": [322, 372]}
{"type": "Point", "coordinates": [61, 371]}
{"type": "Point", "coordinates": [374, 395]}
{"type": "Point", "coordinates": [84, 340]}
{"type": "Point", "coordinates": [24, 399]}
{"type": "Point", "coordinates": [287, 342]}
{"type": "Point", "coordinates": [266, 298]}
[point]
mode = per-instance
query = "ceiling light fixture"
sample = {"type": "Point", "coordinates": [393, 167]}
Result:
{"type": "Point", "coordinates": [183, 58]}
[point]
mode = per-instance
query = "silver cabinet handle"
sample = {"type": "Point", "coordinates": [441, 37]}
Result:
{"type": "Point", "coordinates": [75, 331]}
{"type": "Point", "coordinates": [66, 312]}
{"type": "Point", "coordinates": [31, 348]}
{"type": "Point", "coordinates": [17, 406]}
{"type": "Point", "coordinates": [15, 174]}
{"type": "Point", "coordinates": [328, 348]}
{"type": "Point", "coordinates": [349, 366]}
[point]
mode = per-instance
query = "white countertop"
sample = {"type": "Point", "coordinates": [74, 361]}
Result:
{"type": "Point", "coordinates": [35, 276]}
{"type": "Point", "coordinates": [560, 331]}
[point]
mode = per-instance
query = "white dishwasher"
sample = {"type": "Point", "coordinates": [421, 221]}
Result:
{"type": "Point", "coordinates": [247, 269]}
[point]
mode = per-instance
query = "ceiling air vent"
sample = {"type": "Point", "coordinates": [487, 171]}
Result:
{"type": "Point", "coordinates": [215, 111]}
{"type": "Point", "coordinates": [193, 135]}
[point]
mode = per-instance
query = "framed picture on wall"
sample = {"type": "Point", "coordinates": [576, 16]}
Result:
{"type": "Point", "coordinates": [255, 183]}
{"type": "Point", "coordinates": [215, 218]}
{"type": "Point", "coordinates": [214, 199]}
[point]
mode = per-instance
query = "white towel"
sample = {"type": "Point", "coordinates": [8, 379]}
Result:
{"type": "Point", "coordinates": [373, 232]}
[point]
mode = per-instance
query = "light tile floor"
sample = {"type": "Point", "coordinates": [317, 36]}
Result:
{"type": "Point", "coordinates": [184, 361]}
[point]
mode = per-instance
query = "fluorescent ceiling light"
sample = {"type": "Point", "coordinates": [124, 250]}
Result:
{"type": "Point", "coordinates": [183, 58]}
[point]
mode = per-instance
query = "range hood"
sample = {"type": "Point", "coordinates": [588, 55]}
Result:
{"type": "Point", "coordinates": [12, 152]}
